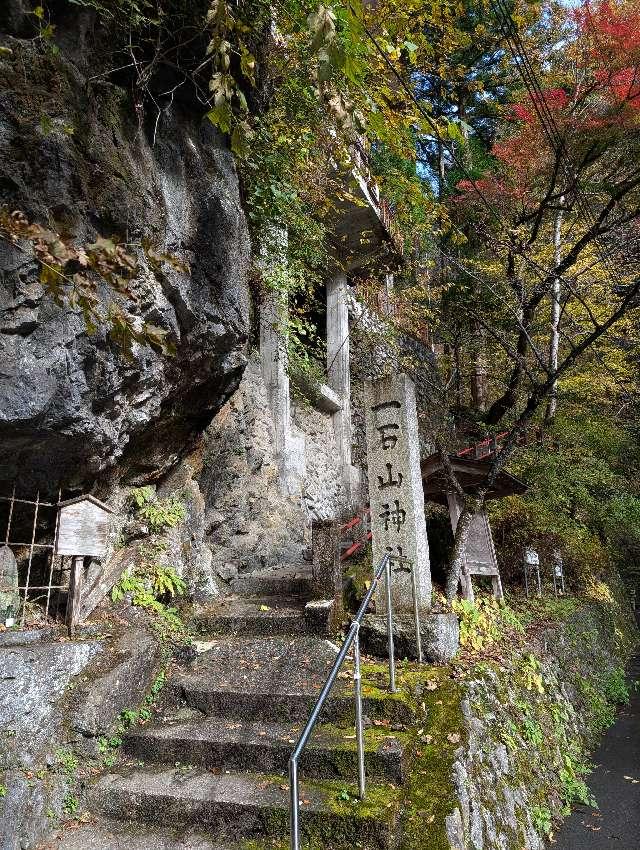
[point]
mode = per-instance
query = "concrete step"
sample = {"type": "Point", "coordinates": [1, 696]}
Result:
{"type": "Point", "coordinates": [273, 678]}
{"type": "Point", "coordinates": [213, 698]}
{"type": "Point", "coordinates": [114, 835]}
{"type": "Point", "coordinates": [284, 580]}
{"type": "Point", "coordinates": [252, 616]}
{"type": "Point", "coordinates": [210, 698]}
{"type": "Point", "coordinates": [220, 742]}
{"type": "Point", "coordinates": [242, 805]}
{"type": "Point", "coordinates": [258, 678]}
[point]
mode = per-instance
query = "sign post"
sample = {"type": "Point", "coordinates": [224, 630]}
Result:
{"type": "Point", "coordinates": [558, 573]}
{"type": "Point", "coordinates": [395, 490]}
{"type": "Point", "coordinates": [83, 531]}
{"type": "Point", "coordinates": [9, 596]}
{"type": "Point", "coordinates": [532, 565]}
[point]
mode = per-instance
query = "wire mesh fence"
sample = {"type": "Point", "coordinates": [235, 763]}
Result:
{"type": "Point", "coordinates": [34, 581]}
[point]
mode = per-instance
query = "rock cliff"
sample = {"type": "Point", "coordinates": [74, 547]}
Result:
{"type": "Point", "coordinates": [87, 152]}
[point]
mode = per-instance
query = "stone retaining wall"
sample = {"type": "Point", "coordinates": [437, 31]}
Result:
{"type": "Point", "coordinates": [57, 700]}
{"type": "Point", "coordinates": [515, 775]}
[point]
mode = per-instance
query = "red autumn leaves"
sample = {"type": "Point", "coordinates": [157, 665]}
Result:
{"type": "Point", "coordinates": [588, 99]}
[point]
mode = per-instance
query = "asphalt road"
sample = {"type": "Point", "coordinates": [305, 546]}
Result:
{"type": "Point", "coordinates": [615, 784]}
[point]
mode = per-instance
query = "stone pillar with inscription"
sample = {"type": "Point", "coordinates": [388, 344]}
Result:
{"type": "Point", "coordinates": [395, 488]}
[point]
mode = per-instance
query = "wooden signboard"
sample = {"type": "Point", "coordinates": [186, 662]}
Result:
{"type": "Point", "coordinates": [480, 554]}
{"type": "Point", "coordinates": [83, 527]}
{"type": "Point", "coordinates": [83, 531]}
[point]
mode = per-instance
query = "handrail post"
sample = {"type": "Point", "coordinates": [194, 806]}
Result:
{"type": "Point", "coordinates": [392, 660]}
{"type": "Point", "coordinates": [416, 612]}
{"type": "Point", "coordinates": [294, 805]}
{"type": "Point", "coordinates": [352, 638]}
{"type": "Point", "coordinates": [357, 683]}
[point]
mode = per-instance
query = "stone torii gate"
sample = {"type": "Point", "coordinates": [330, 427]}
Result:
{"type": "Point", "coordinates": [480, 554]}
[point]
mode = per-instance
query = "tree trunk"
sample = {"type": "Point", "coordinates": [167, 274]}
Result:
{"type": "Point", "coordinates": [525, 315]}
{"type": "Point", "coordinates": [458, 381]}
{"type": "Point", "coordinates": [479, 376]}
{"type": "Point", "coordinates": [467, 158]}
{"type": "Point", "coordinates": [554, 343]}
{"type": "Point", "coordinates": [471, 507]}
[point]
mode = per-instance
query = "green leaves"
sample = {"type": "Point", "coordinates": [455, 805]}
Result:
{"type": "Point", "coordinates": [247, 64]}
{"type": "Point", "coordinates": [221, 117]}
{"type": "Point", "coordinates": [230, 108]}
{"type": "Point", "coordinates": [141, 496]}
{"type": "Point", "coordinates": [241, 138]}
{"type": "Point", "coordinates": [149, 583]}
{"type": "Point", "coordinates": [453, 131]}
{"type": "Point", "coordinates": [485, 622]}
{"type": "Point", "coordinates": [165, 581]}
{"type": "Point", "coordinates": [160, 514]}
{"type": "Point", "coordinates": [355, 10]}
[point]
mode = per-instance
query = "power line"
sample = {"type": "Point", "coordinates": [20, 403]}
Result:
{"type": "Point", "coordinates": [519, 251]}
{"type": "Point", "coordinates": [457, 162]}
{"type": "Point", "coordinates": [547, 121]}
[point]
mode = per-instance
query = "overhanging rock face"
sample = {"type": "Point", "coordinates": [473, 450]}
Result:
{"type": "Point", "coordinates": [70, 403]}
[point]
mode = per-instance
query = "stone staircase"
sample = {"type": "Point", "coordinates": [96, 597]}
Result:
{"type": "Point", "coordinates": [215, 760]}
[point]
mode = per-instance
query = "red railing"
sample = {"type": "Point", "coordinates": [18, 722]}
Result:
{"type": "Point", "coordinates": [489, 446]}
{"type": "Point", "coordinates": [357, 544]}
{"type": "Point", "coordinates": [485, 448]}
{"type": "Point", "coordinates": [478, 451]}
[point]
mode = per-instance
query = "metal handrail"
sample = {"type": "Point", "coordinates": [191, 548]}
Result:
{"type": "Point", "coordinates": [352, 639]}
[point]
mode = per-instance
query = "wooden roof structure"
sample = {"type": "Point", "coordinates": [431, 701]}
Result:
{"type": "Point", "coordinates": [470, 473]}
{"type": "Point", "coordinates": [87, 497]}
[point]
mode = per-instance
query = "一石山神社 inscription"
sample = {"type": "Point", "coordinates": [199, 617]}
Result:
{"type": "Point", "coordinates": [395, 488]}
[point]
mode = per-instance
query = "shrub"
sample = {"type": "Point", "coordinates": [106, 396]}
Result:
{"type": "Point", "coordinates": [157, 513]}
